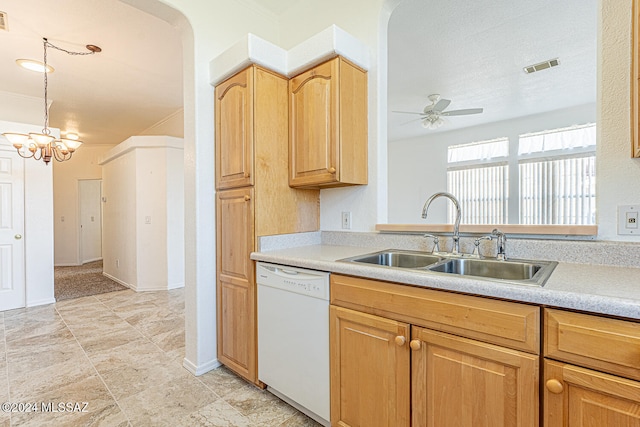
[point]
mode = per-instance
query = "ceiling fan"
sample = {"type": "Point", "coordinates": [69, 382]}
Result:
{"type": "Point", "coordinates": [432, 114]}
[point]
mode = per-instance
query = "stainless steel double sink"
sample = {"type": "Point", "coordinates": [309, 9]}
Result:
{"type": "Point", "coordinates": [516, 271]}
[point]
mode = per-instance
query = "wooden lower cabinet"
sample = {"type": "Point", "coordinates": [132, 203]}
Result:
{"type": "Point", "coordinates": [369, 370]}
{"type": "Point", "coordinates": [380, 377]}
{"type": "Point", "coordinates": [580, 397]}
{"type": "Point", "coordinates": [236, 289]}
{"type": "Point", "coordinates": [462, 382]}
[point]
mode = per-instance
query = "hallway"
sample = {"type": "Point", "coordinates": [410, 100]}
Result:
{"type": "Point", "coordinates": [121, 352]}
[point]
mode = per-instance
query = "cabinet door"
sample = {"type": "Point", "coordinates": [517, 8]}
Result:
{"type": "Point", "coordinates": [236, 290]}
{"type": "Point", "coordinates": [461, 382]}
{"type": "Point", "coordinates": [313, 127]}
{"type": "Point", "coordinates": [369, 370]}
{"type": "Point", "coordinates": [579, 397]}
{"type": "Point", "coordinates": [234, 131]}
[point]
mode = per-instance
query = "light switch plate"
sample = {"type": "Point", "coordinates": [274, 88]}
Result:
{"type": "Point", "coordinates": [629, 219]}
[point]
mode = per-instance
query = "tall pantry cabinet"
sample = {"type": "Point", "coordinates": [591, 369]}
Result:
{"type": "Point", "coordinates": [253, 199]}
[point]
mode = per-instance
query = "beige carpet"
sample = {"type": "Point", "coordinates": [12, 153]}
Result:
{"type": "Point", "coordinates": [82, 281]}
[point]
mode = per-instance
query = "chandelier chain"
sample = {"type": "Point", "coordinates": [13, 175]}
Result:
{"type": "Point", "coordinates": [47, 43]}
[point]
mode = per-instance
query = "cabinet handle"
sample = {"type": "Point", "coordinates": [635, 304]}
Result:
{"type": "Point", "coordinates": [554, 386]}
{"type": "Point", "coordinates": [332, 170]}
{"type": "Point", "coordinates": [247, 198]}
{"type": "Point", "coordinates": [415, 345]}
{"type": "Point", "coordinates": [400, 340]}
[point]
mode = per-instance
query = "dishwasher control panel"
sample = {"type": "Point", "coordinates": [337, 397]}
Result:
{"type": "Point", "coordinates": [293, 279]}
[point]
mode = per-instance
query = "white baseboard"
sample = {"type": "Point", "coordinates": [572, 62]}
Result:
{"type": "Point", "coordinates": [202, 369]}
{"type": "Point", "coordinates": [41, 302]}
{"type": "Point", "coordinates": [67, 265]}
{"type": "Point", "coordinates": [176, 285]}
{"type": "Point", "coordinates": [115, 279]}
{"type": "Point", "coordinates": [91, 260]}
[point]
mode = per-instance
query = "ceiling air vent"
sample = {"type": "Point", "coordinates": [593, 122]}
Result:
{"type": "Point", "coordinates": [541, 66]}
{"type": "Point", "coordinates": [4, 24]}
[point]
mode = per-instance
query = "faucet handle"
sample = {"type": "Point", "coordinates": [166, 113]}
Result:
{"type": "Point", "coordinates": [436, 242]}
{"type": "Point", "coordinates": [476, 249]}
{"type": "Point", "coordinates": [501, 244]}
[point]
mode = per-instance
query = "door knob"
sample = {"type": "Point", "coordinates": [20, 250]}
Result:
{"type": "Point", "coordinates": [18, 236]}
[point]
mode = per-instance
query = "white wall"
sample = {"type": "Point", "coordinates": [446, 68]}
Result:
{"type": "Point", "coordinates": [22, 109]}
{"type": "Point", "coordinates": [618, 174]}
{"type": "Point", "coordinates": [38, 221]}
{"type": "Point", "coordinates": [208, 28]}
{"type": "Point", "coordinates": [418, 166]}
{"type": "Point", "coordinates": [83, 165]}
{"type": "Point", "coordinates": [143, 187]}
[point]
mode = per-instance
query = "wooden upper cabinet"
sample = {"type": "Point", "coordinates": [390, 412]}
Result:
{"type": "Point", "coordinates": [635, 84]}
{"type": "Point", "coordinates": [328, 126]}
{"type": "Point", "coordinates": [234, 131]}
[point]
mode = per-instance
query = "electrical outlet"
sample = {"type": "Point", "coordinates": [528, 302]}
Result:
{"type": "Point", "coordinates": [147, 220]}
{"type": "Point", "coordinates": [629, 219]}
{"type": "Point", "coordinates": [346, 220]}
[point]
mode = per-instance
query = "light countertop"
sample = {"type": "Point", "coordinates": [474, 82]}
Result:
{"type": "Point", "coordinates": [592, 288]}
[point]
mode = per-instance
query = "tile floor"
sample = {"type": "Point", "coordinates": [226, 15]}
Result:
{"type": "Point", "coordinates": [121, 353]}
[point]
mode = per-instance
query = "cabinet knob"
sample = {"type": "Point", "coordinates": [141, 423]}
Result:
{"type": "Point", "coordinates": [18, 236]}
{"type": "Point", "coordinates": [332, 170]}
{"type": "Point", "coordinates": [400, 340]}
{"type": "Point", "coordinates": [247, 198]}
{"type": "Point", "coordinates": [415, 345]}
{"type": "Point", "coordinates": [554, 386]}
{"type": "Point", "coordinates": [247, 174]}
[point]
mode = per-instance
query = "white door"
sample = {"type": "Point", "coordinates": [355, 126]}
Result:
{"type": "Point", "coordinates": [89, 195]}
{"type": "Point", "coordinates": [12, 274]}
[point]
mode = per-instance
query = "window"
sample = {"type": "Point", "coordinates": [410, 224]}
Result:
{"type": "Point", "coordinates": [554, 172]}
{"type": "Point", "coordinates": [478, 175]}
{"type": "Point", "coordinates": [558, 176]}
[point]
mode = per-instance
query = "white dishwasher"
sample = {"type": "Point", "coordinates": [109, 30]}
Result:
{"type": "Point", "coordinates": [293, 336]}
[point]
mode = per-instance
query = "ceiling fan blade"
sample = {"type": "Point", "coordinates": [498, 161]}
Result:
{"type": "Point", "coordinates": [411, 121]}
{"type": "Point", "coordinates": [465, 112]}
{"type": "Point", "coordinates": [441, 105]}
{"type": "Point", "coordinates": [407, 112]}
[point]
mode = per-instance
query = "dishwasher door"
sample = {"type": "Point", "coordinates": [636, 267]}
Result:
{"type": "Point", "coordinates": [293, 336]}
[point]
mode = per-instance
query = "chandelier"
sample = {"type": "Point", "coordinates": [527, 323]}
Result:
{"type": "Point", "coordinates": [44, 146]}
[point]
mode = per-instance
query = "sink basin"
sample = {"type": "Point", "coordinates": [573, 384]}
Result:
{"type": "Point", "coordinates": [517, 271]}
{"type": "Point", "coordinates": [397, 258]}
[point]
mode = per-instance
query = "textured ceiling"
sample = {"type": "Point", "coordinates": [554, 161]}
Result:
{"type": "Point", "coordinates": [473, 53]}
{"type": "Point", "coordinates": [135, 82]}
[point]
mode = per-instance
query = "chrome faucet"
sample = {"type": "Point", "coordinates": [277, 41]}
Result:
{"type": "Point", "coordinates": [501, 243]}
{"type": "Point", "coordinates": [456, 225]}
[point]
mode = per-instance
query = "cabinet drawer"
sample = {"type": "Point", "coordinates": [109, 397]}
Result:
{"type": "Point", "coordinates": [600, 343]}
{"type": "Point", "coordinates": [508, 324]}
